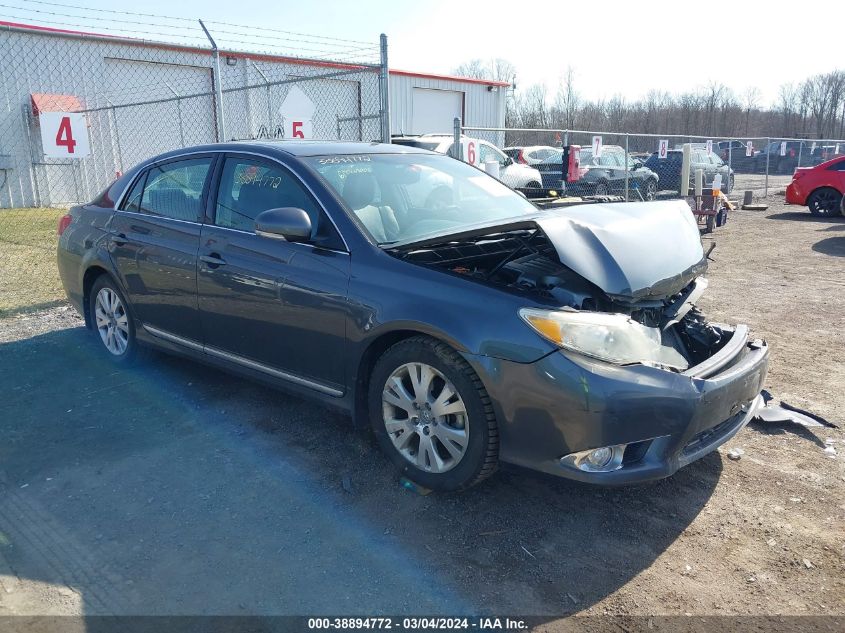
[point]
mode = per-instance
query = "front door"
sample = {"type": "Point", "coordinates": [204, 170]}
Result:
{"type": "Point", "coordinates": [272, 305]}
{"type": "Point", "coordinates": [153, 241]}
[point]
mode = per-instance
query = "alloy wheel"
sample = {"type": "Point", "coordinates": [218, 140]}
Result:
{"type": "Point", "coordinates": [425, 417]}
{"type": "Point", "coordinates": [825, 202]}
{"type": "Point", "coordinates": [112, 321]}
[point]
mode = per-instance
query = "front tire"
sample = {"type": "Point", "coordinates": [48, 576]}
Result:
{"type": "Point", "coordinates": [825, 202]}
{"type": "Point", "coordinates": [432, 416]}
{"type": "Point", "coordinates": [112, 321]}
{"type": "Point", "coordinates": [650, 189]}
{"type": "Point", "coordinates": [602, 189]}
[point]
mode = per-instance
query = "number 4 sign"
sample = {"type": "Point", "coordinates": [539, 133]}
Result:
{"type": "Point", "coordinates": [64, 135]}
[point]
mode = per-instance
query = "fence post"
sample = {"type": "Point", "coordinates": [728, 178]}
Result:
{"type": "Point", "coordinates": [220, 124]}
{"type": "Point", "coordinates": [768, 154]}
{"type": "Point", "coordinates": [384, 77]}
{"type": "Point", "coordinates": [626, 167]}
{"type": "Point", "coordinates": [457, 150]}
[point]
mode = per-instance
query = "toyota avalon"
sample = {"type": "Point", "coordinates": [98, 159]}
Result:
{"type": "Point", "coordinates": [460, 322]}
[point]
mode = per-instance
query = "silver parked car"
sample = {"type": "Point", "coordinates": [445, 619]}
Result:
{"type": "Point", "coordinates": [513, 174]}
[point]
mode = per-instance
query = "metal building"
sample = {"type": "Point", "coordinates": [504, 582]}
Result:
{"type": "Point", "coordinates": [139, 98]}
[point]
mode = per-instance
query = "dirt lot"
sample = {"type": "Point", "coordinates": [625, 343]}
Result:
{"type": "Point", "coordinates": [175, 489]}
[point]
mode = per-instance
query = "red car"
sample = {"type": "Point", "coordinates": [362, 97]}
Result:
{"type": "Point", "coordinates": [820, 187]}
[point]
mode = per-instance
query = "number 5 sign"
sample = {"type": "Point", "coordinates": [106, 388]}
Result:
{"type": "Point", "coordinates": [297, 113]}
{"type": "Point", "coordinates": [64, 134]}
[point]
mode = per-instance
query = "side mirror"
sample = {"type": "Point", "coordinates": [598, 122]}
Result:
{"type": "Point", "coordinates": [508, 161]}
{"type": "Point", "coordinates": [285, 223]}
{"type": "Point", "coordinates": [638, 164]}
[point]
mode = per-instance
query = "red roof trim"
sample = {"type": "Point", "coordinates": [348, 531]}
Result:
{"type": "Point", "coordinates": [245, 55]}
{"type": "Point", "coordinates": [48, 102]}
{"type": "Point", "coordinates": [464, 80]}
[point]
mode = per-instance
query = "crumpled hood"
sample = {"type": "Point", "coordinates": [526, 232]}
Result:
{"type": "Point", "coordinates": [633, 251]}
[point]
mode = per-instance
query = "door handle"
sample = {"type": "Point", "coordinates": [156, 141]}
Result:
{"type": "Point", "coordinates": [118, 239]}
{"type": "Point", "coordinates": [213, 260]}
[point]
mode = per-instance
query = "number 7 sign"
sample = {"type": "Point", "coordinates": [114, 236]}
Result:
{"type": "Point", "coordinates": [64, 135]}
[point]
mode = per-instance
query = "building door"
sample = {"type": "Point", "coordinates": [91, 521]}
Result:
{"type": "Point", "coordinates": [434, 111]}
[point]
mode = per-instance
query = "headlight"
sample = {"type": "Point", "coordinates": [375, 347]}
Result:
{"type": "Point", "coordinates": [614, 338]}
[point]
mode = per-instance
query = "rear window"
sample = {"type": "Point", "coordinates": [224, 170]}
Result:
{"type": "Point", "coordinates": [429, 145]}
{"type": "Point", "coordinates": [108, 198]}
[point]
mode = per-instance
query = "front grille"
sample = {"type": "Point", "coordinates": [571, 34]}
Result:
{"type": "Point", "coordinates": [708, 436]}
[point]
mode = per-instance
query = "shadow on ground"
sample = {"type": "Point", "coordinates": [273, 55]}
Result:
{"type": "Point", "coordinates": [831, 246]}
{"type": "Point", "coordinates": [175, 489]}
{"type": "Point", "coordinates": [804, 216]}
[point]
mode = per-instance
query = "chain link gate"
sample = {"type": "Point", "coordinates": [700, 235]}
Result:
{"type": "Point", "coordinates": [81, 109]}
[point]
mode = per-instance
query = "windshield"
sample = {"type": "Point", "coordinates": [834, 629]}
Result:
{"type": "Point", "coordinates": [405, 197]}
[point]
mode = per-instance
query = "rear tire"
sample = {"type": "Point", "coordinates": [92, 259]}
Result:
{"type": "Point", "coordinates": [112, 321]}
{"type": "Point", "coordinates": [602, 189]}
{"type": "Point", "coordinates": [432, 415]}
{"type": "Point", "coordinates": [825, 202]}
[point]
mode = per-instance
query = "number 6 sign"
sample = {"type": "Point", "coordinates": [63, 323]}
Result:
{"type": "Point", "coordinates": [64, 135]}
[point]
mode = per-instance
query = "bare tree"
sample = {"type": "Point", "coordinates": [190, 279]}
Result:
{"type": "Point", "coordinates": [750, 101]}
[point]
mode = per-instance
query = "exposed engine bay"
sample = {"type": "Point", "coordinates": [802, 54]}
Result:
{"type": "Point", "coordinates": [526, 262]}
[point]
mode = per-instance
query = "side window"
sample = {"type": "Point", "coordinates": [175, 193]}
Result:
{"type": "Point", "coordinates": [174, 190]}
{"type": "Point", "coordinates": [488, 152]}
{"type": "Point", "coordinates": [249, 186]}
{"type": "Point", "coordinates": [133, 200]}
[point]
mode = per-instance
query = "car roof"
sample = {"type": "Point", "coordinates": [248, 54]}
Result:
{"type": "Point", "coordinates": [301, 148]}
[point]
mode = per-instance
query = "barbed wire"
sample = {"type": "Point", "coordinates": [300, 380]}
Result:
{"type": "Point", "coordinates": [182, 19]}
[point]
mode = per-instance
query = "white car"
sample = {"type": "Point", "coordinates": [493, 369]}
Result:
{"type": "Point", "coordinates": [514, 175]}
{"type": "Point", "coordinates": [531, 154]}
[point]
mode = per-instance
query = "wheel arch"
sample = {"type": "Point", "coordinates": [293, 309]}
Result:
{"type": "Point", "coordinates": [369, 357]}
{"type": "Point", "coordinates": [89, 278]}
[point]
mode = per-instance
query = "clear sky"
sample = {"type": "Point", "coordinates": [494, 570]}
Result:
{"type": "Point", "coordinates": [615, 47]}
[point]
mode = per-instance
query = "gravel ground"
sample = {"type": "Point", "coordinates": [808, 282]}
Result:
{"type": "Point", "coordinates": [174, 489]}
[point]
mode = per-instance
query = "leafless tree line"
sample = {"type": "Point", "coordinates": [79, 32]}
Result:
{"type": "Point", "coordinates": [812, 108]}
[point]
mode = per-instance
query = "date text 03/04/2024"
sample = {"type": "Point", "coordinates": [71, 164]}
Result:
{"type": "Point", "coordinates": [418, 623]}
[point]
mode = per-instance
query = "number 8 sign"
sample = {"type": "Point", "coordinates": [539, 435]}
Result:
{"type": "Point", "coordinates": [64, 135]}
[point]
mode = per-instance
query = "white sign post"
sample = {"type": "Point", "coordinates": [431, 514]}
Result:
{"type": "Point", "coordinates": [709, 147]}
{"type": "Point", "coordinates": [469, 149]}
{"type": "Point", "coordinates": [663, 148]}
{"type": "Point", "coordinates": [749, 149]}
{"type": "Point", "coordinates": [64, 134]}
{"type": "Point", "coordinates": [597, 146]}
{"type": "Point", "coordinates": [297, 112]}
{"type": "Point", "coordinates": [783, 148]}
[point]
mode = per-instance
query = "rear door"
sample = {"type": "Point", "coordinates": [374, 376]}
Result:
{"type": "Point", "coordinates": [154, 242]}
{"type": "Point", "coordinates": [271, 305]}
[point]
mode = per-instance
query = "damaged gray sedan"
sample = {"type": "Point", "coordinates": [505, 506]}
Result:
{"type": "Point", "coordinates": [463, 324]}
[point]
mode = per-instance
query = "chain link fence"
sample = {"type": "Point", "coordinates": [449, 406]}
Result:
{"type": "Point", "coordinates": [79, 110]}
{"type": "Point", "coordinates": [649, 166]}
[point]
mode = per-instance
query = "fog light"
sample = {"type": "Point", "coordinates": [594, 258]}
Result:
{"type": "Point", "coordinates": [596, 460]}
{"type": "Point", "coordinates": [600, 457]}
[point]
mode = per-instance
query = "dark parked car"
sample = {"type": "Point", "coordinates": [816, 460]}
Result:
{"type": "Point", "coordinates": [669, 169]}
{"type": "Point", "coordinates": [464, 334]}
{"type": "Point", "coordinates": [600, 176]}
{"type": "Point", "coordinates": [803, 153]}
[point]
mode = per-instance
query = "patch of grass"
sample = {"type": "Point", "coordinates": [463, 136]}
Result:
{"type": "Point", "coordinates": [28, 274]}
